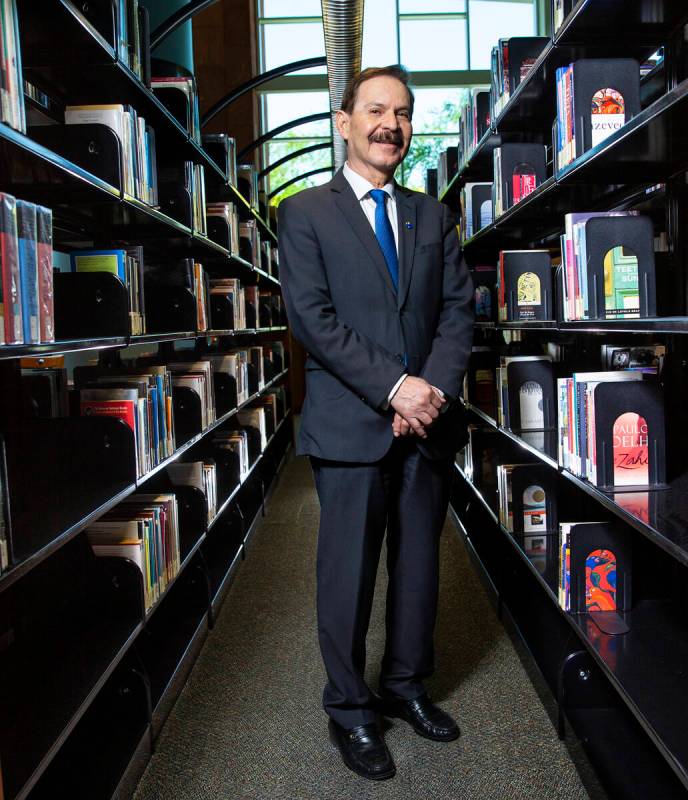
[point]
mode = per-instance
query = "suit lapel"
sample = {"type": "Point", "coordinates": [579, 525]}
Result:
{"type": "Point", "coordinates": [406, 221]}
{"type": "Point", "coordinates": [354, 215]}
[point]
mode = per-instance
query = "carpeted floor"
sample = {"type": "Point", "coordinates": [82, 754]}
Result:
{"type": "Point", "coordinates": [249, 724]}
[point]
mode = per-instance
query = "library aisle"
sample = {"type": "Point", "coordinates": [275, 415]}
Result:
{"type": "Point", "coordinates": [249, 724]}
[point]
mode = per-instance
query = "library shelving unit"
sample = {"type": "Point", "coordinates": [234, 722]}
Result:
{"type": "Point", "coordinates": [626, 696]}
{"type": "Point", "coordinates": [88, 676]}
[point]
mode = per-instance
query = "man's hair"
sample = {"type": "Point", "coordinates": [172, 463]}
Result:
{"type": "Point", "coordinates": [392, 71]}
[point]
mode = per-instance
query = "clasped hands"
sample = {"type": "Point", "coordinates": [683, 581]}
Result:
{"type": "Point", "coordinates": [416, 405]}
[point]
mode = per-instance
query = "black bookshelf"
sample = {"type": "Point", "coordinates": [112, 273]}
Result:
{"type": "Point", "coordinates": [624, 697]}
{"type": "Point", "coordinates": [90, 676]}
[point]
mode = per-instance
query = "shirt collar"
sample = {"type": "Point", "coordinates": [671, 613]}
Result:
{"type": "Point", "coordinates": [361, 185]}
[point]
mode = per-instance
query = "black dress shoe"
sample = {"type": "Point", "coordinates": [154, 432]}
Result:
{"type": "Point", "coordinates": [363, 750]}
{"type": "Point", "coordinates": [423, 715]}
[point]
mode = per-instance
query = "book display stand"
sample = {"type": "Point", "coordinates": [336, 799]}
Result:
{"type": "Point", "coordinates": [88, 672]}
{"type": "Point", "coordinates": [618, 677]}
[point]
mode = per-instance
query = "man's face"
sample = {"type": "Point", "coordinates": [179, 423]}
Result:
{"type": "Point", "coordinates": [378, 131]}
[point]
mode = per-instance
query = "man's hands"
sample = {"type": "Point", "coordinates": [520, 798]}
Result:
{"type": "Point", "coordinates": [417, 404]}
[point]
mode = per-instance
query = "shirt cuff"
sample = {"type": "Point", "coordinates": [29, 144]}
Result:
{"type": "Point", "coordinates": [443, 396]}
{"type": "Point", "coordinates": [395, 389]}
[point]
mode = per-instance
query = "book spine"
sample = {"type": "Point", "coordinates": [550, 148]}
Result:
{"type": "Point", "coordinates": [28, 267]}
{"type": "Point", "coordinates": [11, 277]}
{"type": "Point", "coordinates": [44, 257]}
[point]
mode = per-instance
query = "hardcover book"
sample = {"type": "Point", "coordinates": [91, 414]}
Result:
{"type": "Point", "coordinates": [525, 285]}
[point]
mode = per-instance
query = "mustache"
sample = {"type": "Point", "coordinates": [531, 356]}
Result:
{"type": "Point", "coordinates": [387, 137]}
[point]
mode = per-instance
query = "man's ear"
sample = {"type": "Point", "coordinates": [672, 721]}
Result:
{"type": "Point", "coordinates": [342, 122]}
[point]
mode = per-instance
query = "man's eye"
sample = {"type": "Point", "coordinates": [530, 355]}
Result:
{"type": "Point", "coordinates": [374, 110]}
{"type": "Point", "coordinates": [404, 114]}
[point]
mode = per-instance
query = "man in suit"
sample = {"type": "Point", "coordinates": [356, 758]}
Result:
{"type": "Point", "coordinates": [376, 290]}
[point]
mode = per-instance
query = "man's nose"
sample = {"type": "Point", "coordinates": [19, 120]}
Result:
{"type": "Point", "coordinates": [390, 120]}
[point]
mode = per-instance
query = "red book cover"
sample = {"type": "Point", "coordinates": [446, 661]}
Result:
{"type": "Point", "coordinates": [122, 409]}
{"type": "Point", "coordinates": [11, 279]}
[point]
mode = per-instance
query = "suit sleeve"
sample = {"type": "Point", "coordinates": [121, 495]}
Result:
{"type": "Point", "coordinates": [364, 366]}
{"type": "Point", "coordinates": [451, 346]}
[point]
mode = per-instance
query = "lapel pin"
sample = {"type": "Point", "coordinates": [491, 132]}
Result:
{"type": "Point", "coordinates": [409, 226]}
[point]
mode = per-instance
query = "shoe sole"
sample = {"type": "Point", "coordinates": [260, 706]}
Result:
{"type": "Point", "coordinates": [451, 737]}
{"type": "Point", "coordinates": [379, 776]}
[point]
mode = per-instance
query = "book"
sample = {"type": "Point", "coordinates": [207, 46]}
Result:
{"type": "Point", "coordinates": [518, 170]}
{"type": "Point", "coordinates": [28, 270]}
{"type": "Point", "coordinates": [595, 99]}
{"type": "Point", "coordinates": [11, 308]}
{"type": "Point", "coordinates": [44, 259]}
{"type": "Point", "coordinates": [511, 61]}
{"type": "Point", "coordinates": [12, 110]}
{"type": "Point", "coordinates": [607, 268]}
{"type": "Point", "coordinates": [525, 393]}
{"type": "Point", "coordinates": [485, 293]}
{"type": "Point", "coordinates": [524, 285]}
{"type": "Point", "coordinates": [476, 209]}
{"type": "Point", "coordinates": [127, 266]}
{"type": "Point", "coordinates": [595, 568]}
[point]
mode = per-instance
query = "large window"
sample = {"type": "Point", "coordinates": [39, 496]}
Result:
{"type": "Point", "coordinates": [445, 44]}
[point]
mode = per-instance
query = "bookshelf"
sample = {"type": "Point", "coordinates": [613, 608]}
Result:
{"type": "Point", "coordinates": [624, 697]}
{"type": "Point", "coordinates": [88, 675]}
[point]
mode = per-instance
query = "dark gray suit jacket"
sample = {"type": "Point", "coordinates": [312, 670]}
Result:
{"type": "Point", "coordinates": [342, 306]}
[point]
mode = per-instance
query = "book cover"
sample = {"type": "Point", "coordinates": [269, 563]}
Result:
{"type": "Point", "coordinates": [28, 269]}
{"type": "Point", "coordinates": [44, 257]}
{"type": "Point", "coordinates": [11, 311]}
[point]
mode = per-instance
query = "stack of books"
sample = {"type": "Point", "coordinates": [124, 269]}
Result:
{"type": "Point", "coordinates": [518, 170]}
{"type": "Point", "coordinates": [611, 428]}
{"type": "Point", "coordinates": [126, 265]}
{"type": "Point", "coordinates": [608, 266]}
{"type": "Point", "coordinates": [524, 285]}
{"type": "Point", "coordinates": [525, 396]}
{"type": "Point", "coordinates": [474, 122]}
{"type": "Point", "coordinates": [223, 225]}
{"type": "Point", "coordinates": [447, 167]}
{"type": "Point", "coordinates": [227, 304]}
{"type": "Point", "coordinates": [45, 387]}
{"type": "Point", "coordinates": [595, 570]}
{"type": "Point", "coordinates": [12, 111]}
{"type": "Point", "coordinates": [26, 270]}
{"type": "Point", "coordinates": [476, 209]}
{"type": "Point", "coordinates": [139, 396]}
{"type": "Point", "coordinates": [196, 376]}
{"type": "Point", "coordinates": [201, 475]}
{"type": "Point", "coordinates": [144, 528]}
{"type": "Point", "coordinates": [614, 86]}
{"type": "Point", "coordinates": [185, 87]}
{"type": "Point", "coordinates": [222, 149]}
{"type": "Point", "coordinates": [194, 181]}
{"type": "Point", "coordinates": [137, 140]}
{"type": "Point", "coordinates": [247, 183]}
{"type": "Point", "coordinates": [249, 242]}
{"type": "Point", "coordinates": [133, 38]}
{"type": "Point", "coordinates": [231, 450]}
{"type": "Point", "coordinates": [512, 60]}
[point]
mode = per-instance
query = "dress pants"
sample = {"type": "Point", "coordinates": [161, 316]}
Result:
{"type": "Point", "coordinates": [406, 494]}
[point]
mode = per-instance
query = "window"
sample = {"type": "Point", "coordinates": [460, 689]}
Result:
{"type": "Point", "coordinates": [444, 43]}
{"type": "Point", "coordinates": [279, 108]}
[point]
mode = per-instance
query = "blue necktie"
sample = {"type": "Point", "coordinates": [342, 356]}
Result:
{"type": "Point", "coordinates": [385, 235]}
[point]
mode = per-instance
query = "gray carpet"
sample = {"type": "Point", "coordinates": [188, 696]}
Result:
{"type": "Point", "coordinates": [249, 724]}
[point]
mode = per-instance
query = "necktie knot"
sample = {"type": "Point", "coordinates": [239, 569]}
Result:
{"type": "Point", "coordinates": [379, 196]}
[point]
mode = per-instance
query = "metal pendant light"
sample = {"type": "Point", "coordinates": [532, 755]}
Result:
{"type": "Point", "coordinates": [343, 28]}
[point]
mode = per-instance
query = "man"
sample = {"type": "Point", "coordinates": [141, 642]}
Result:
{"type": "Point", "coordinates": [376, 291]}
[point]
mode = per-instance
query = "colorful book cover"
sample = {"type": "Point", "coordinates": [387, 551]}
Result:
{"type": "Point", "coordinates": [607, 114]}
{"type": "Point", "coordinates": [9, 264]}
{"type": "Point", "coordinates": [621, 291]}
{"type": "Point", "coordinates": [534, 509]}
{"type": "Point", "coordinates": [26, 229]}
{"type": "Point", "coordinates": [112, 261]}
{"type": "Point", "coordinates": [631, 450]}
{"type": "Point", "coordinates": [600, 581]}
